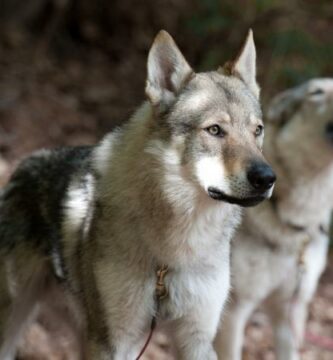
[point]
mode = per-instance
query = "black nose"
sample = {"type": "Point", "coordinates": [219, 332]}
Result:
{"type": "Point", "coordinates": [261, 176]}
{"type": "Point", "coordinates": [329, 130]}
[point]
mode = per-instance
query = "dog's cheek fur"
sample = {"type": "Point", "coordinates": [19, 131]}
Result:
{"type": "Point", "coordinates": [211, 173]}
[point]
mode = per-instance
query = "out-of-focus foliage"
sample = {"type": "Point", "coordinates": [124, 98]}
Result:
{"type": "Point", "coordinates": [294, 37]}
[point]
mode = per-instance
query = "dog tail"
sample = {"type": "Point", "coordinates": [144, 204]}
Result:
{"type": "Point", "coordinates": [24, 309]}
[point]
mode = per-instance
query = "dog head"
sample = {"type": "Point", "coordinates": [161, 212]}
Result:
{"type": "Point", "coordinates": [303, 122]}
{"type": "Point", "coordinates": [213, 122]}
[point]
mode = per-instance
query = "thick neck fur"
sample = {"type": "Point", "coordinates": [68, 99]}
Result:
{"type": "Point", "coordinates": [309, 200]}
{"type": "Point", "coordinates": [304, 192]}
{"type": "Point", "coordinates": [142, 187]}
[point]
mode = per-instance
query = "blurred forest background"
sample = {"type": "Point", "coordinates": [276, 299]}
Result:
{"type": "Point", "coordinates": [70, 70]}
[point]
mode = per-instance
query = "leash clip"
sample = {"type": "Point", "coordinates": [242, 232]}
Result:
{"type": "Point", "coordinates": [161, 290]}
{"type": "Point", "coordinates": [301, 255]}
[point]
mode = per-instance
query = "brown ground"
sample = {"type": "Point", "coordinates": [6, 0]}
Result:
{"type": "Point", "coordinates": [45, 103]}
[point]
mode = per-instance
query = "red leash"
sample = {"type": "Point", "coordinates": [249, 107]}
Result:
{"type": "Point", "coordinates": [152, 328]}
{"type": "Point", "coordinates": [161, 292]}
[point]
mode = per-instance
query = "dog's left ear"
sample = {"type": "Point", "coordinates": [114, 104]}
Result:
{"type": "Point", "coordinates": [167, 69]}
{"type": "Point", "coordinates": [244, 66]}
{"type": "Point", "coordinates": [284, 105]}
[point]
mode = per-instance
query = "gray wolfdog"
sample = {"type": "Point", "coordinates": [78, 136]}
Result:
{"type": "Point", "coordinates": [162, 192]}
{"type": "Point", "coordinates": [280, 251]}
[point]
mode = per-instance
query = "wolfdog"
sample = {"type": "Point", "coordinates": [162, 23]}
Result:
{"type": "Point", "coordinates": [280, 250]}
{"type": "Point", "coordinates": [160, 194]}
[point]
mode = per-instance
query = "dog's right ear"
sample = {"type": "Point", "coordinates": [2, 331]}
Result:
{"type": "Point", "coordinates": [167, 70]}
{"type": "Point", "coordinates": [244, 66]}
{"type": "Point", "coordinates": [284, 105]}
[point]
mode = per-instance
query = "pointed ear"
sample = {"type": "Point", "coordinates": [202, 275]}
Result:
{"type": "Point", "coordinates": [244, 67]}
{"type": "Point", "coordinates": [167, 70]}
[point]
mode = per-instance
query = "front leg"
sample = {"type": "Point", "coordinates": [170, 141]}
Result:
{"type": "Point", "coordinates": [97, 351]}
{"type": "Point", "coordinates": [229, 340]}
{"type": "Point", "coordinates": [286, 345]}
{"type": "Point", "coordinates": [195, 332]}
{"type": "Point", "coordinates": [122, 351]}
{"type": "Point", "coordinates": [126, 297]}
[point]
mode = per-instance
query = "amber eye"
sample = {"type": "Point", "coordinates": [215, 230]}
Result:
{"type": "Point", "coordinates": [259, 130]}
{"type": "Point", "coordinates": [215, 130]}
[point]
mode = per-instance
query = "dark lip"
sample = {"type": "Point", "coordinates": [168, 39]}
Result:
{"type": "Point", "coordinates": [245, 202]}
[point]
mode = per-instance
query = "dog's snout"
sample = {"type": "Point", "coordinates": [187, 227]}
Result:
{"type": "Point", "coordinates": [329, 130]}
{"type": "Point", "coordinates": [261, 176]}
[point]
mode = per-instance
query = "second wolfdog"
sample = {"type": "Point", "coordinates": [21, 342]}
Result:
{"type": "Point", "coordinates": [164, 190]}
{"type": "Point", "coordinates": [280, 251]}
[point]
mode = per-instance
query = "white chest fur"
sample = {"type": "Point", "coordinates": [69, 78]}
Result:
{"type": "Point", "coordinates": [199, 268]}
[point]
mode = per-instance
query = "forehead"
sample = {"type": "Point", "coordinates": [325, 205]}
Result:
{"type": "Point", "coordinates": [215, 95]}
{"type": "Point", "coordinates": [325, 84]}
{"type": "Point", "coordinates": [316, 98]}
